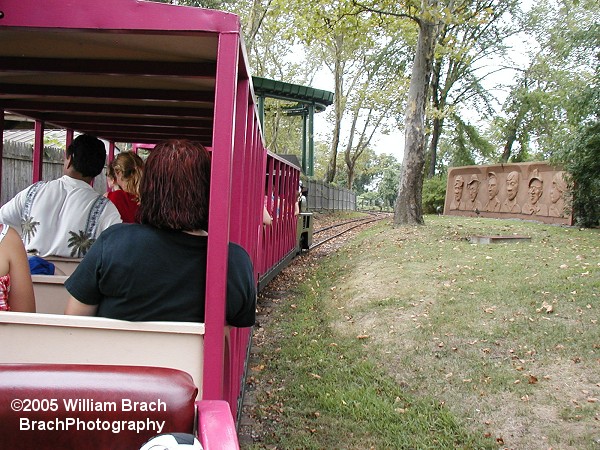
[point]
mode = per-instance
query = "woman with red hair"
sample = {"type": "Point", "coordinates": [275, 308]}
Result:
{"type": "Point", "coordinates": [156, 270]}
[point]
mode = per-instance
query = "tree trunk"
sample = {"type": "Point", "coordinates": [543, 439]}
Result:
{"type": "Point", "coordinates": [507, 151]}
{"type": "Point", "coordinates": [409, 208]}
{"type": "Point", "coordinates": [435, 100]}
{"type": "Point", "coordinates": [338, 105]}
{"type": "Point", "coordinates": [438, 122]}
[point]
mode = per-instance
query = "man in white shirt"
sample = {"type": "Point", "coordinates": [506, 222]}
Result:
{"type": "Point", "coordinates": [64, 217]}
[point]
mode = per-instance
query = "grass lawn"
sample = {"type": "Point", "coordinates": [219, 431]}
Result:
{"type": "Point", "coordinates": [414, 338]}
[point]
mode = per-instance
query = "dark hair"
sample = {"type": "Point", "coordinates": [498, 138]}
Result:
{"type": "Point", "coordinates": [174, 191]}
{"type": "Point", "coordinates": [88, 155]}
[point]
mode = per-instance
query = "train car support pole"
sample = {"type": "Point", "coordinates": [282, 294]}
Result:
{"type": "Point", "coordinates": [69, 139]}
{"type": "Point", "coordinates": [220, 202]}
{"type": "Point", "coordinates": [311, 141]}
{"type": "Point", "coordinates": [304, 138]}
{"type": "Point", "coordinates": [38, 151]}
{"type": "Point", "coordinates": [1, 146]}
{"type": "Point", "coordinates": [261, 111]}
{"type": "Point", "coordinates": [111, 151]}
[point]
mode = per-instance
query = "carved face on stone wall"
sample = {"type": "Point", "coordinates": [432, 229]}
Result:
{"type": "Point", "coordinates": [473, 190]}
{"type": "Point", "coordinates": [492, 187]}
{"type": "Point", "coordinates": [512, 185]}
{"type": "Point", "coordinates": [536, 188]}
{"type": "Point", "coordinates": [459, 183]}
{"type": "Point", "coordinates": [558, 187]}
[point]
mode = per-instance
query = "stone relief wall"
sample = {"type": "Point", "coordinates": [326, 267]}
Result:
{"type": "Point", "coordinates": [526, 191]}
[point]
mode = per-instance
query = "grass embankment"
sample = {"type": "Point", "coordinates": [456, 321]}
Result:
{"type": "Point", "coordinates": [413, 338]}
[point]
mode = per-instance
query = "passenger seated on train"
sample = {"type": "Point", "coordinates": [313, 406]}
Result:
{"type": "Point", "coordinates": [267, 219]}
{"type": "Point", "coordinates": [156, 270]}
{"type": "Point", "coordinates": [16, 288]}
{"type": "Point", "coordinates": [63, 217]}
{"type": "Point", "coordinates": [126, 170]}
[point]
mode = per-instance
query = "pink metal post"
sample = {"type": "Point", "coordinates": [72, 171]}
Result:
{"type": "Point", "coordinates": [38, 151]}
{"type": "Point", "coordinates": [1, 147]}
{"type": "Point", "coordinates": [111, 151]}
{"type": "Point", "coordinates": [218, 225]}
{"type": "Point", "coordinates": [69, 137]}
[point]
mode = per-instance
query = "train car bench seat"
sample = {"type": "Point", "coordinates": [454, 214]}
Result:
{"type": "Point", "coordinates": [53, 338]}
{"type": "Point", "coordinates": [74, 406]}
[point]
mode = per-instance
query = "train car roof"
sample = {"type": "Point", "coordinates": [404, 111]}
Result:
{"type": "Point", "coordinates": [123, 70]}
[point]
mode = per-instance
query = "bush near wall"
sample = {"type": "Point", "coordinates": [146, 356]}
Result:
{"type": "Point", "coordinates": [434, 194]}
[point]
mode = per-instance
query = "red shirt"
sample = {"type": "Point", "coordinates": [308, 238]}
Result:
{"type": "Point", "coordinates": [125, 203]}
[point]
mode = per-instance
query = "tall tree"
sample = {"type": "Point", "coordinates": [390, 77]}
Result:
{"type": "Point", "coordinates": [553, 96]}
{"type": "Point", "coordinates": [377, 98]}
{"type": "Point", "coordinates": [428, 18]}
{"type": "Point", "coordinates": [348, 45]}
{"type": "Point", "coordinates": [474, 34]}
{"type": "Point", "coordinates": [408, 209]}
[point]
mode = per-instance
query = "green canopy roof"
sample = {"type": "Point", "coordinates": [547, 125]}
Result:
{"type": "Point", "coordinates": [264, 87]}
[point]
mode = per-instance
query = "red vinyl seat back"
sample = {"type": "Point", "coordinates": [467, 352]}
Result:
{"type": "Point", "coordinates": [62, 406]}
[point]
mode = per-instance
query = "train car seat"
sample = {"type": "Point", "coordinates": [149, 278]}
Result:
{"type": "Point", "coordinates": [75, 406]}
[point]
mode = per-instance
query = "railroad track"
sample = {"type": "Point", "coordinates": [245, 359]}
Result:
{"type": "Point", "coordinates": [336, 230]}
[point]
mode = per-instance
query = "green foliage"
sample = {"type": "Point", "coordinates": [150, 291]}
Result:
{"type": "Point", "coordinates": [556, 92]}
{"type": "Point", "coordinates": [211, 4]}
{"type": "Point", "coordinates": [388, 186]}
{"type": "Point", "coordinates": [434, 194]}
{"type": "Point", "coordinates": [581, 159]}
{"type": "Point", "coordinates": [463, 145]}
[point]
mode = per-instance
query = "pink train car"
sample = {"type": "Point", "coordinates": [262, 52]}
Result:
{"type": "Point", "coordinates": [136, 71]}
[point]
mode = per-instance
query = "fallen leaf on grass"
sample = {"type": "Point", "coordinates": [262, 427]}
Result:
{"type": "Point", "coordinates": [532, 379]}
{"type": "Point", "coordinates": [363, 336]}
{"type": "Point", "coordinates": [314, 375]}
{"type": "Point", "coordinates": [546, 307]}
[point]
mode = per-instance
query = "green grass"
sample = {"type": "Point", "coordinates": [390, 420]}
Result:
{"type": "Point", "coordinates": [412, 337]}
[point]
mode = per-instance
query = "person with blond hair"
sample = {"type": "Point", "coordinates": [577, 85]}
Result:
{"type": "Point", "coordinates": [126, 170]}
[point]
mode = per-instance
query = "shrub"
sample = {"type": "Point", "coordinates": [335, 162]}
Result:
{"type": "Point", "coordinates": [581, 160]}
{"type": "Point", "coordinates": [434, 194]}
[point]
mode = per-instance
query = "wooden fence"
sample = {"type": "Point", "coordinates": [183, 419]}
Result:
{"type": "Point", "coordinates": [17, 169]}
{"type": "Point", "coordinates": [324, 197]}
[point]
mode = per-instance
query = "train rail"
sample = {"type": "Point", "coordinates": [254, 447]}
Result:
{"type": "Point", "coordinates": [333, 231]}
